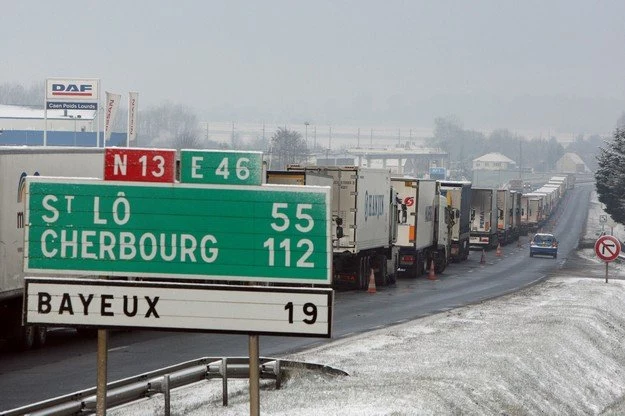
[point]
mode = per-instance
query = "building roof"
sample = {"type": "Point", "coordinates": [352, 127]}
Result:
{"type": "Point", "coordinates": [494, 157]}
{"type": "Point", "coordinates": [23, 112]}
{"type": "Point", "coordinates": [573, 157]}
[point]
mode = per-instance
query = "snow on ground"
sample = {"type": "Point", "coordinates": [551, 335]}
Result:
{"type": "Point", "coordinates": [552, 349]}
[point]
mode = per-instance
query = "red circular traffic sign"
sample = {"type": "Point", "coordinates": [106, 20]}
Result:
{"type": "Point", "coordinates": [607, 247]}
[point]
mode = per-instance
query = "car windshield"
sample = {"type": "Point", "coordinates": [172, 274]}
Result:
{"type": "Point", "coordinates": [548, 239]}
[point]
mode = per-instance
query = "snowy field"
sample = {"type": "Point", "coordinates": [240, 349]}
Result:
{"type": "Point", "coordinates": [553, 349]}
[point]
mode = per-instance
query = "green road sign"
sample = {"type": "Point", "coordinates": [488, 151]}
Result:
{"type": "Point", "coordinates": [241, 233]}
{"type": "Point", "coordinates": [223, 168]}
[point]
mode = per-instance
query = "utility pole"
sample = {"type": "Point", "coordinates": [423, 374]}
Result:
{"type": "Point", "coordinates": [232, 137]}
{"type": "Point", "coordinates": [330, 139]}
{"type": "Point", "coordinates": [306, 124]}
{"type": "Point", "coordinates": [520, 160]}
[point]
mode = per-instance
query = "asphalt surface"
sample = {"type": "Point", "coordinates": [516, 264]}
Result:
{"type": "Point", "coordinates": [68, 362]}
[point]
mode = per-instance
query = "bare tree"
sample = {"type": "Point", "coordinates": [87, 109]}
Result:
{"type": "Point", "coordinates": [16, 94]}
{"type": "Point", "coordinates": [169, 125]}
{"type": "Point", "coordinates": [287, 147]}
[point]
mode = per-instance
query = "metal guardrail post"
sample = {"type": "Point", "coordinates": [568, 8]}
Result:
{"type": "Point", "coordinates": [278, 374]}
{"type": "Point", "coordinates": [224, 380]}
{"type": "Point", "coordinates": [167, 393]}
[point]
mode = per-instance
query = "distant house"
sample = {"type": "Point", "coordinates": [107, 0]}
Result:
{"type": "Point", "coordinates": [493, 161]}
{"type": "Point", "coordinates": [571, 163]}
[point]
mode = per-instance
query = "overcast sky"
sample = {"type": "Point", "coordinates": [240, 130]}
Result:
{"type": "Point", "coordinates": [530, 64]}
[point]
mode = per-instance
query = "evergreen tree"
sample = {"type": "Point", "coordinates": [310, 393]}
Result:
{"type": "Point", "coordinates": [610, 176]}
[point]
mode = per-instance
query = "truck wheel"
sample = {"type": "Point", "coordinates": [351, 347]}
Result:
{"type": "Point", "coordinates": [440, 264]}
{"type": "Point", "coordinates": [41, 336]}
{"type": "Point", "coordinates": [363, 273]}
{"type": "Point", "coordinates": [26, 339]}
{"type": "Point", "coordinates": [422, 266]}
{"type": "Point", "coordinates": [380, 270]}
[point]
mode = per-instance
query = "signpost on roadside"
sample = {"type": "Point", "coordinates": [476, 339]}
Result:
{"type": "Point", "coordinates": [607, 248]}
{"type": "Point", "coordinates": [218, 224]}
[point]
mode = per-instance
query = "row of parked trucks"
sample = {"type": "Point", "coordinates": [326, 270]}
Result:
{"type": "Point", "coordinates": [393, 226]}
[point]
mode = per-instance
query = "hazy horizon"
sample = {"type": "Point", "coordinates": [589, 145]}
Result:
{"type": "Point", "coordinates": [527, 66]}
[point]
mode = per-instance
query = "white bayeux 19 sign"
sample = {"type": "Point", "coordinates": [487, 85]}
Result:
{"type": "Point", "coordinates": [179, 306]}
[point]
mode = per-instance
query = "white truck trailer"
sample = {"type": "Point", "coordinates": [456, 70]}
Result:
{"type": "Point", "coordinates": [458, 195]}
{"type": "Point", "coordinates": [364, 220]}
{"type": "Point", "coordinates": [424, 233]}
{"type": "Point", "coordinates": [532, 211]}
{"type": "Point", "coordinates": [16, 163]}
{"type": "Point", "coordinates": [516, 215]}
{"type": "Point", "coordinates": [509, 215]}
{"type": "Point", "coordinates": [484, 218]}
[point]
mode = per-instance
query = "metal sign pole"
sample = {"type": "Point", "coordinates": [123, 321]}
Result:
{"type": "Point", "coordinates": [102, 372]}
{"type": "Point", "coordinates": [254, 376]}
{"type": "Point", "coordinates": [606, 271]}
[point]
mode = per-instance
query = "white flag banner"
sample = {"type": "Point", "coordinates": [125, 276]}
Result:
{"type": "Point", "coordinates": [112, 104]}
{"type": "Point", "coordinates": [133, 110]}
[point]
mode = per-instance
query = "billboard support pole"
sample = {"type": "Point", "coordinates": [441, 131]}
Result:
{"type": "Point", "coordinates": [45, 112]}
{"type": "Point", "coordinates": [254, 375]}
{"type": "Point", "coordinates": [102, 372]}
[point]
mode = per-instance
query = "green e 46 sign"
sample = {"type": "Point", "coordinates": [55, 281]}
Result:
{"type": "Point", "coordinates": [221, 167]}
{"type": "Point", "coordinates": [185, 231]}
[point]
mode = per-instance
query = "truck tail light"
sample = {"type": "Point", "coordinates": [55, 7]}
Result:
{"type": "Point", "coordinates": [346, 277]}
{"type": "Point", "coordinates": [407, 259]}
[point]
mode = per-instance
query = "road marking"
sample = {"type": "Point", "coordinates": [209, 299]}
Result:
{"type": "Point", "coordinates": [118, 348]}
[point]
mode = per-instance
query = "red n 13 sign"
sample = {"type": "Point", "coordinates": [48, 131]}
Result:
{"type": "Point", "coordinates": [140, 165]}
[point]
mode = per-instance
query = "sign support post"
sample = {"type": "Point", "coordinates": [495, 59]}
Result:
{"type": "Point", "coordinates": [102, 372]}
{"type": "Point", "coordinates": [254, 375]}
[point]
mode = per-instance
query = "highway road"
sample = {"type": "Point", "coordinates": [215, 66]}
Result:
{"type": "Point", "coordinates": [68, 362]}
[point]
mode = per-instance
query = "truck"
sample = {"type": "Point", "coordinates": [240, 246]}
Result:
{"type": "Point", "coordinates": [516, 215]}
{"type": "Point", "coordinates": [364, 220]}
{"type": "Point", "coordinates": [458, 195]}
{"type": "Point", "coordinates": [504, 216]}
{"type": "Point", "coordinates": [16, 164]}
{"type": "Point", "coordinates": [423, 236]}
{"type": "Point", "coordinates": [484, 216]}
{"type": "Point", "coordinates": [532, 211]}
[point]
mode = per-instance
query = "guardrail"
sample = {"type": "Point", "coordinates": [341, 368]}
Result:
{"type": "Point", "coordinates": [162, 381]}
